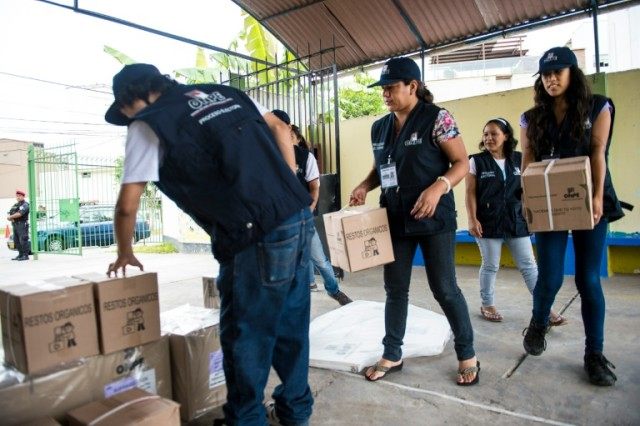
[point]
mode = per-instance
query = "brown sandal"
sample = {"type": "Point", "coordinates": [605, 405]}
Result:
{"type": "Point", "coordinates": [377, 368]}
{"type": "Point", "coordinates": [494, 316]}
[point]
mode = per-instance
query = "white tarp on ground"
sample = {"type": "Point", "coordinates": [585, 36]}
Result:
{"type": "Point", "coordinates": [350, 338]}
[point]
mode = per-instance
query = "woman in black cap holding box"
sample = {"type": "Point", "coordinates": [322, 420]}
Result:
{"type": "Point", "coordinates": [418, 157]}
{"type": "Point", "coordinates": [568, 121]}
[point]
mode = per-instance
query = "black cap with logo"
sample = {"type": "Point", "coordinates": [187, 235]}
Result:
{"type": "Point", "coordinates": [398, 69]}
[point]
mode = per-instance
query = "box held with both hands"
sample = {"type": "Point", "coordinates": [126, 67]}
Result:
{"type": "Point", "coordinates": [557, 195]}
{"type": "Point", "coordinates": [358, 238]}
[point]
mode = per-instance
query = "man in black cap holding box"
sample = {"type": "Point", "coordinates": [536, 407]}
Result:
{"type": "Point", "coordinates": [19, 218]}
{"type": "Point", "coordinates": [228, 163]}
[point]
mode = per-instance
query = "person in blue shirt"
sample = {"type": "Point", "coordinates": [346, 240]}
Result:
{"type": "Point", "coordinates": [309, 176]}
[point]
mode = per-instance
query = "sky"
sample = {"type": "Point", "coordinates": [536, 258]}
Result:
{"type": "Point", "coordinates": [55, 78]}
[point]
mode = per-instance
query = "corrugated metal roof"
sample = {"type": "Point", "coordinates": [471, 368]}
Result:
{"type": "Point", "coordinates": [366, 31]}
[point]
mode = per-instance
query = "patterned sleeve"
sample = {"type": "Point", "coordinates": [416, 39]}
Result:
{"type": "Point", "coordinates": [445, 127]}
{"type": "Point", "coordinates": [523, 121]}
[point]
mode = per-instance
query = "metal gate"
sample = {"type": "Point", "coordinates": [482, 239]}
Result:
{"type": "Point", "coordinates": [73, 198]}
{"type": "Point", "coordinates": [309, 96]}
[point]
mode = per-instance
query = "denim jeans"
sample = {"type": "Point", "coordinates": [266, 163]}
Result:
{"type": "Point", "coordinates": [438, 252]}
{"type": "Point", "coordinates": [264, 322]}
{"type": "Point", "coordinates": [491, 249]}
{"type": "Point", "coordinates": [320, 261]}
{"type": "Point", "coordinates": [588, 247]}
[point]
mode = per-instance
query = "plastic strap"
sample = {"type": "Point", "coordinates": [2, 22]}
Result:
{"type": "Point", "coordinates": [548, 192]}
{"type": "Point", "coordinates": [121, 407]}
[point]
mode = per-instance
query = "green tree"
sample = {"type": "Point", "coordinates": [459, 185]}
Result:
{"type": "Point", "coordinates": [356, 100]}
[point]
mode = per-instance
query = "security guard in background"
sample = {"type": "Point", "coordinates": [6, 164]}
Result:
{"type": "Point", "coordinates": [19, 217]}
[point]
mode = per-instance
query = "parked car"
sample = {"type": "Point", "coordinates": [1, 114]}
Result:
{"type": "Point", "coordinates": [96, 229]}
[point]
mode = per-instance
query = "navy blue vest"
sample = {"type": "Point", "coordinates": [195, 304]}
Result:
{"type": "Point", "coordinates": [221, 164]}
{"type": "Point", "coordinates": [564, 147]}
{"type": "Point", "coordinates": [419, 161]}
{"type": "Point", "coordinates": [302, 155]}
{"type": "Point", "coordinates": [498, 205]}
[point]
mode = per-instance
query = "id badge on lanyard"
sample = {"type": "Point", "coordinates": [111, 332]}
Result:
{"type": "Point", "coordinates": [388, 175]}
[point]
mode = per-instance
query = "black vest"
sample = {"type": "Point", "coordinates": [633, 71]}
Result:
{"type": "Point", "coordinates": [498, 205]}
{"type": "Point", "coordinates": [419, 161]}
{"type": "Point", "coordinates": [302, 155]}
{"type": "Point", "coordinates": [20, 205]}
{"type": "Point", "coordinates": [221, 164]}
{"type": "Point", "coordinates": [563, 147]}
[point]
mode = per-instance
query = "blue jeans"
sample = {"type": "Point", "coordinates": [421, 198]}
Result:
{"type": "Point", "coordinates": [264, 322]}
{"type": "Point", "coordinates": [320, 261]}
{"type": "Point", "coordinates": [588, 247]}
{"type": "Point", "coordinates": [491, 249]}
{"type": "Point", "coordinates": [438, 252]}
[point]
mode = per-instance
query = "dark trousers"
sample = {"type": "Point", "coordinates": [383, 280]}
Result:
{"type": "Point", "coordinates": [264, 323]}
{"type": "Point", "coordinates": [439, 259]}
{"type": "Point", "coordinates": [589, 248]}
{"type": "Point", "coordinates": [21, 237]}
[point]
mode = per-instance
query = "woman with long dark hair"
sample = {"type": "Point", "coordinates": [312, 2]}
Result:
{"type": "Point", "coordinates": [495, 214]}
{"type": "Point", "coordinates": [568, 121]}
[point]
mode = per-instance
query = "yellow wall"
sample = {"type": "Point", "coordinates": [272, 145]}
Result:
{"type": "Point", "coordinates": [471, 114]}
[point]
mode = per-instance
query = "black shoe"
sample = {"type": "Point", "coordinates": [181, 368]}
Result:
{"type": "Point", "coordinates": [16, 258]}
{"type": "Point", "coordinates": [534, 342]}
{"type": "Point", "coordinates": [597, 368]}
{"type": "Point", "coordinates": [341, 298]}
{"type": "Point", "coordinates": [22, 258]}
{"type": "Point", "coordinates": [219, 422]}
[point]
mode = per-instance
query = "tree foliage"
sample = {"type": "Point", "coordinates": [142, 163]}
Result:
{"type": "Point", "coordinates": [356, 100]}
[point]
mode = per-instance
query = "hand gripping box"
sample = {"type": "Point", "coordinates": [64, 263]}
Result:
{"type": "Point", "coordinates": [358, 238]}
{"type": "Point", "coordinates": [47, 323]}
{"type": "Point", "coordinates": [196, 359]}
{"type": "Point", "coordinates": [128, 310]}
{"type": "Point", "coordinates": [557, 195]}
{"type": "Point", "coordinates": [133, 407]}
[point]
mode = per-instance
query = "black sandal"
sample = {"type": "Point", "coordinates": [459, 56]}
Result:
{"type": "Point", "coordinates": [469, 370]}
{"type": "Point", "coordinates": [377, 368]}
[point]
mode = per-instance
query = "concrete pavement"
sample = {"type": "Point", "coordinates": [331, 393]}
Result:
{"type": "Point", "coordinates": [513, 389]}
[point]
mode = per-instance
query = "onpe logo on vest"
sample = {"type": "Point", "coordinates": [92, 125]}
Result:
{"type": "Point", "coordinates": [63, 338]}
{"type": "Point", "coordinates": [413, 140]}
{"type": "Point", "coordinates": [200, 100]}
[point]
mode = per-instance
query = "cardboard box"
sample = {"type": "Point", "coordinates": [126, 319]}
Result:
{"type": "Point", "coordinates": [196, 359]}
{"type": "Point", "coordinates": [128, 310]}
{"type": "Point", "coordinates": [358, 238]}
{"type": "Point", "coordinates": [134, 406]}
{"type": "Point", "coordinates": [145, 367]}
{"type": "Point", "coordinates": [47, 323]}
{"type": "Point", "coordinates": [557, 195]}
{"type": "Point", "coordinates": [210, 293]}
{"type": "Point", "coordinates": [42, 421]}
{"type": "Point", "coordinates": [26, 398]}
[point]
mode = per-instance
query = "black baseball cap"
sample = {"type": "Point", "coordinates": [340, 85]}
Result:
{"type": "Point", "coordinates": [557, 58]}
{"type": "Point", "coordinates": [398, 69]}
{"type": "Point", "coordinates": [133, 73]}
{"type": "Point", "coordinates": [282, 115]}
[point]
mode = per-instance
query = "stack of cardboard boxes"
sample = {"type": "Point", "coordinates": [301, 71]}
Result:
{"type": "Point", "coordinates": [73, 341]}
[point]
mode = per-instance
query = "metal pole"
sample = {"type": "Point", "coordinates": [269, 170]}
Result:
{"type": "Point", "coordinates": [596, 40]}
